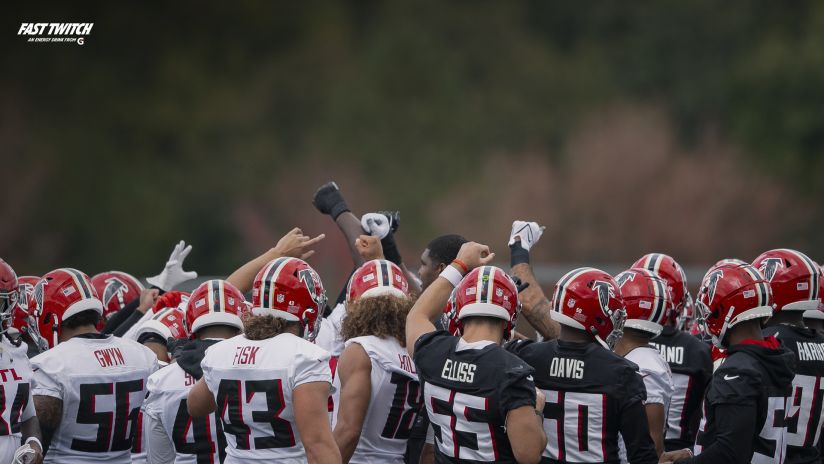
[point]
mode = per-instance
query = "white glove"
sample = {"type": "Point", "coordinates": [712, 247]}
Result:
{"type": "Point", "coordinates": [24, 455]}
{"type": "Point", "coordinates": [376, 224]}
{"type": "Point", "coordinates": [173, 274]}
{"type": "Point", "coordinates": [530, 233]}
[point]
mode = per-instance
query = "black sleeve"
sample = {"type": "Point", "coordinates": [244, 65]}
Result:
{"type": "Point", "coordinates": [422, 358]}
{"type": "Point", "coordinates": [517, 389]}
{"type": "Point", "coordinates": [127, 324]}
{"type": "Point", "coordinates": [735, 429]}
{"type": "Point", "coordinates": [517, 346]}
{"type": "Point", "coordinates": [633, 423]}
{"type": "Point", "coordinates": [634, 429]}
{"type": "Point", "coordinates": [120, 316]}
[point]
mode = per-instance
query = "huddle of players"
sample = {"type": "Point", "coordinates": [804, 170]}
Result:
{"type": "Point", "coordinates": [620, 378]}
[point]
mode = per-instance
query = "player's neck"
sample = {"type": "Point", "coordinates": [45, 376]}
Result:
{"type": "Point", "coordinates": [630, 341]}
{"type": "Point", "coordinates": [69, 333]}
{"type": "Point", "coordinates": [568, 334]}
{"type": "Point", "coordinates": [482, 332]}
{"type": "Point", "coordinates": [794, 318]}
{"type": "Point", "coordinates": [216, 331]}
{"type": "Point", "coordinates": [745, 331]}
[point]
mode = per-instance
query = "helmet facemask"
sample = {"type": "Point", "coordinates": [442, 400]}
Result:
{"type": "Point", "coordinates": [8, 301]}
{"type": "Point", "coordinates": [618, 318]}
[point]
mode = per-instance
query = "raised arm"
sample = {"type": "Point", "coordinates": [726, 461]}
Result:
{"type": "Point", "coordinates": [536, 306]}
{"type": "Point", "coordinates": [294, 244]}
{"type": "Point", "coordinates": [430, 304]}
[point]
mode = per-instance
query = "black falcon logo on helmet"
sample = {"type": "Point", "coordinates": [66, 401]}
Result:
{"type": "Point", "coordinates": [768, 267]}
{"type": "Point", "coordinates": [624, 277]}
{"type": "Point", "coordinates": [115, 288]}
{"type": "Point", "coordinates": [712, 284]}
{"type": "Point", "coordinates": [605, 291]}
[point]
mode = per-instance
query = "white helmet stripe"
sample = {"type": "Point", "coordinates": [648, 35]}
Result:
{"type": "Point", "coordinates": [270, 274]}
{"type": "Point", "coordinates": [760, 286]}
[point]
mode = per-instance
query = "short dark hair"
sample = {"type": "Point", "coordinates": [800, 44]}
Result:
{"type": "Point", "coordinates": [87, 317]}
{"type": "Point", "coordinates": [444, 249]}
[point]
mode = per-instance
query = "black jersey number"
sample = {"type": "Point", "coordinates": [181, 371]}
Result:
{"type": "Point", "coordinates": [234, 395]}
{"type": "Point", "coordinates": [112, 426]}
{"type": "Point", "coordinates": [461, 424]}
{"type": "Point", "coordinates": [405, 407]}
{"type": "Point", "coordinates": [202, 445]}
{"type": "Point", "coordinates": [574, 426]}
{"type": "Point", "coordinates": [21, 400]}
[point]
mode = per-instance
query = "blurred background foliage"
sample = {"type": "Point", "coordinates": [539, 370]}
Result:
{"type": "Point", "coordinates": [688, 127]}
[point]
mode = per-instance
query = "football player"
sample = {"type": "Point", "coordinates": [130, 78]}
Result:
{"type": "Point", "coordinates": [269, 387]}
{"type": "Point", "coordinates": [18, 422]}
{"type": "Point", "coordinates": [794, 279]}
{"type": "Point", "coordinates": [744, 406]}
{"type": "Point", "coordinates": [380, 394]}
{"type": "Point", "coordinates": [481, 400]}
{"type": "Point", "coordinates": [214, 313]}
{"type": "Point", "coordinates": [592, 394]}
{"type": "Point", "coordinates": [688, 357]}
{"type": "Point", "coordinates": [88, 387]}
{"type": "Point", "coordinates": [165, 326]}
{"type": "Point", "coordinates": [647, 301]}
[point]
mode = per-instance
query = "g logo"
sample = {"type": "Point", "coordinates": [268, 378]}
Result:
{"type": "Point", "coordinates": [81, 41]}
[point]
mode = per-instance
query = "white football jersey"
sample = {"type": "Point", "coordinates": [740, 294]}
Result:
{"type": "Point", "coordinates": [195, 440]}
{"type": "Point", "coordinates": [252, 381]}
{"type": "Point", "coordinates": [657, 378]}
{"type": "Point", "coordinates": [394, 403]}
{"type": "Point", "coordinates": [329, 335]}
{"type": "Point", "coordinates": [101, 380]}
{"type": "Point", "coordinates": [15, 396]}
{"type": "Point", "coordinates": [139, 455]}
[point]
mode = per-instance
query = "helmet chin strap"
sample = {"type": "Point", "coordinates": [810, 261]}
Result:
{"type": "Point", "coordinates": [718, 340]}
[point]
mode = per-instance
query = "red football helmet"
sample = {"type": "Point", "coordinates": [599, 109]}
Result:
{"type": "Point", "coordinates": [672, 272]}
{"type": "Point", "coordinates": [589, 299]}
{"type": "Point", "coordinates": [59, 295]}
{"type": "Point", "coordinates": [731, 294]}
{"type": "Point", "coordinates": [290, 289]}
{"type": "Point", "coordinates": [8, 295]}
{"type": "Point", "coordinates": [450, 316]}
{"type": "Point", "coordinates": [167, 323]}
{"type": "Point", "coordinates": [23, 318]}
{"type": "Point", "coordinates": [646, 299]}
{"type": "Point", "coordinates": [793, 278]}
{"type": "Point", "coordinates": [116, 289]}
{"type": "Point", "coordinates": [377, 277]}
{"type": "Point", "coordinates": [488, 291]}
{"type": "Point", "coordinates": [215, 302]}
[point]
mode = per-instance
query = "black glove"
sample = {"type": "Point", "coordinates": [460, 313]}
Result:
{"type": "Point", "coordinates": [517, 254]}
{"type": "Point", "coordinates": [390, 249]}
{"type": "Point", "coordinates": [329, 200]}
